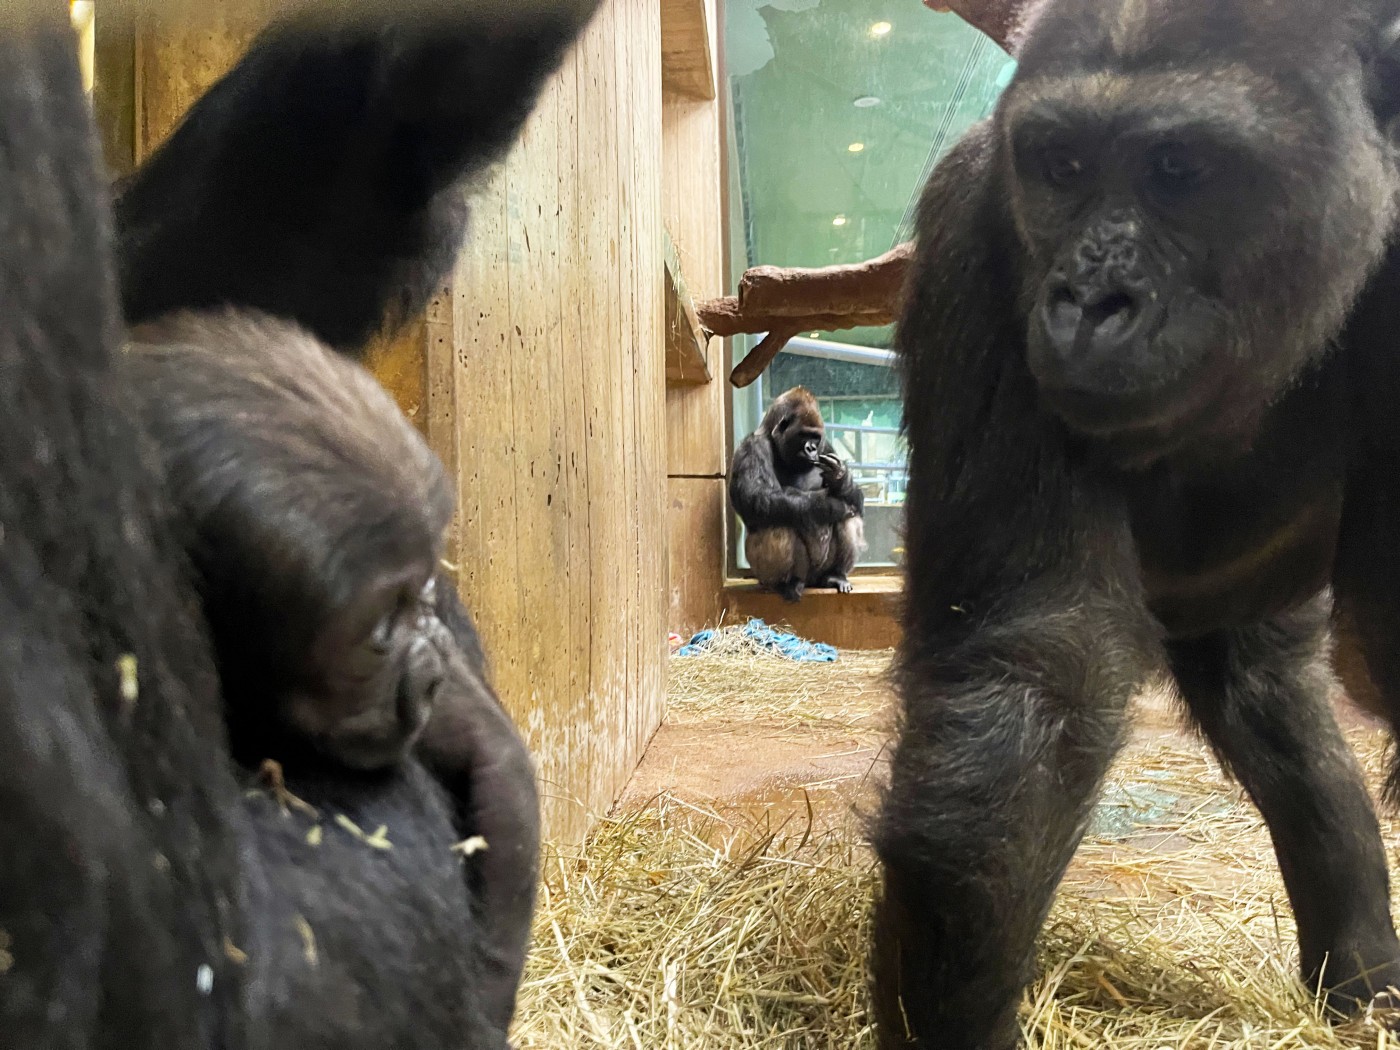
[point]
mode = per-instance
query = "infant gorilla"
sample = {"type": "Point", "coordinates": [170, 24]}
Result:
{"type": "Point", "coordinates": [315, 516]}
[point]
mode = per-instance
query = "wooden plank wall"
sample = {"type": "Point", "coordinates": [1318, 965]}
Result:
{"type": "Point", "coordinates": [538, 376]}
{"type": "Point", "coordinates": [557, 378]}
{"type": "Point", "coordinates": [695, 415]}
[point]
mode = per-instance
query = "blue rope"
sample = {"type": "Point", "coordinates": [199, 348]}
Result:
{"type": "Point", "coordinates": [789, 646]}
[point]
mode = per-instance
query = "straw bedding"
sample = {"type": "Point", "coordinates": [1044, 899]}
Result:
{"type": "Point", "coordinates": [695, 923]}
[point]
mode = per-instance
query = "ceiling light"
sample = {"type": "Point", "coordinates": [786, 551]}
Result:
{"type": "Point", "coordinates": [855, 147]}
{"type": "Point", "coordinates": [880, 29]}
{"type": "Point", "coordinates": [866, 102]}
{"type": "Point", "coordinates": [840, 220]}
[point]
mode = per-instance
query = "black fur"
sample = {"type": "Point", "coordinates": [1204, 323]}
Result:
{"type": "Point", "coordinates": [376, 219]}
{"type": "Point", "coordinates": [301, 489]}
{"type": "Point", "coordinates": [319, 181]}
{"type": "Point", "coordinates": [1139, 433]}
{"type": "Point", "coordinates": [144, 899]}
{"type": "Point", "coordinates": [120, 879]}
{"type": "Point", "coordinates": [799, 504]}
{"type": "Point", "coordinates": [314, 517]}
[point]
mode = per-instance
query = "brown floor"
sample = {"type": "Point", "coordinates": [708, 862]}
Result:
{"type": "Point", "coordinates": [751, 764]}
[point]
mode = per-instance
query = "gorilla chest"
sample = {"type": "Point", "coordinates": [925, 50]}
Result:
{"type": "Point", "coordinates": [1230, 548]}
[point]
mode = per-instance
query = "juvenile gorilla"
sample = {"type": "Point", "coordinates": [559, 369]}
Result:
{"type": "Point", "coordinates": [801, 509]}
{"type": "Point", "coordinates": [1149, 378]}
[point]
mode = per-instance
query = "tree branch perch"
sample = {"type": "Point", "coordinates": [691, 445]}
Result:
{"type": "Point", "coordinates": [785, 301]}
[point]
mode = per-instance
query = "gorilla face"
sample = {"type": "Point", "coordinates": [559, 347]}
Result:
{"type": "Point", "coordinates": [1189, 241]}
{"type": "Point", "coordinates": [367, 687]}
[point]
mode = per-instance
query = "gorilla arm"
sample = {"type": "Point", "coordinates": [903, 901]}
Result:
{"type": "Point", "coordinates": [315, 180]}
{"type": "Point", "coordinates": [838, 481]}
{"type": "Point", "coordinates": [1025, 633]}
{"type": "Point", "coordinates": [762, 502]}
{"type": "Point", "coordinates": [472, 747]}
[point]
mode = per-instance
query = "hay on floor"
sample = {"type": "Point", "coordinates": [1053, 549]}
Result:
{"type": "Point", "coordinates": [683, 925]}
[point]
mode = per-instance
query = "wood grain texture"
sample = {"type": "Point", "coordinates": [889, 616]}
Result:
{"type": "Point", "coordinates": [696, 552]}
{"type": "Point", "coordinates": [693, 208]}
{"type": "Point", "coordinates": [868, 618]}
{"type": "Point", "coordinates": [538, 375]}
{"type": "Point", "coordinates": [558, 371]}
{"type": "Point", "coordinates": [687, 344]}
{"type": "Point", "coordinates": [688, 47]}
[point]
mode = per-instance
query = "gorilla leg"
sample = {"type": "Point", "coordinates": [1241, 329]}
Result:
{"type": "Point", "coordinates": [318, 180]}
{"type": "Point", "coordinates": [1366, 582]}
{"type": "Point", "coordinates": [1005, 741]}
{"type": "Point", "coordinates": [779, 560]}
{"type": "Point", "coordinates": [846, 543]}
{"type": "Point", "coordinates": [1260, 695]}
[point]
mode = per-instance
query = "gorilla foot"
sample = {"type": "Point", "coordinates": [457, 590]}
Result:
{"type": "Point", "coordinates": [837, 581]}
{"type": "Point", "coordinates": [1369, 985]}
{"type": "Point", "coordinates": [792, 590]}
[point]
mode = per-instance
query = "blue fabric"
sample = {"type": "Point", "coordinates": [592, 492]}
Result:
{"type": "Point", "coordinates": [761, 635]}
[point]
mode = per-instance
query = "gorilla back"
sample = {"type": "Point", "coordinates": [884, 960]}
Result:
{"type": "Point", "coordinates": [1148, 459]}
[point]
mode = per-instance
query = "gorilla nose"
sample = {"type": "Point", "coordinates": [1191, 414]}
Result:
{"type": "Point", "coordinates": [1097, 319]}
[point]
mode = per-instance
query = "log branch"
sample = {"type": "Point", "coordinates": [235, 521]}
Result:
{"type": "Point", "coordinates": [785, 301]}
{"type": "Point", "coordinates": [997, 18]}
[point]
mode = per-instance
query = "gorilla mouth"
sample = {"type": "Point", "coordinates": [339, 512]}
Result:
{"type": "Point", "coordinates": [1139, 427]}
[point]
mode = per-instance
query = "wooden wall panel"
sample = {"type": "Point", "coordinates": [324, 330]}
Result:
{"type": "Point", "coordinates": [538, 376]}
{"type": "Point", "coordinates": [697, 547]}
{"type": "Point", "coordinates": [693, 216]}
{"type": "Point", "coordinates": [558, 371]}
{"type": "Point", "coordinates": [695, 414]}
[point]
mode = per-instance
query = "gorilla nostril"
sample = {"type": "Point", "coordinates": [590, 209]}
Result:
{"type": "Point", "coordinates": [1105, 308]}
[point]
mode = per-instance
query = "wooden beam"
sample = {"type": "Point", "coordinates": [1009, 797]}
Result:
{"type": "Point", "coordinates": [687, 57]}
{"type": "Point", "coordinates": [784, 301]}
{"type": "Point", "coordinates": [999, 19]}
{"type": "Point", "coordinates": [687, 362]}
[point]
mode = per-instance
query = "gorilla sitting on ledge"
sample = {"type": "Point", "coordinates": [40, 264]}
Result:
{"type": "Point", "coordinates": [802, 510]}
{"type": "Point", "coordinates": [1150, 383]}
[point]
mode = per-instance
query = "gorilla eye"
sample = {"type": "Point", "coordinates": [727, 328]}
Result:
{"type": "Point", "coordinates": [1176, 167]}
{"type": "Point", "coordinates": [1062, 167]}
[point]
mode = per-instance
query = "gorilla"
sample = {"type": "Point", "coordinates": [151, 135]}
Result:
{"type": "Point", "coordinates": [313, 514]}
{"type": "Point", "coordinates": [1149, 381]}
{"type": "Point", "coordinates": [802, 511]}
{"type": "Point", "coordinates": [146, 896]}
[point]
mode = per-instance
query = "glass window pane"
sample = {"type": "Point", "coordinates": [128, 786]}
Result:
{"type": "Point", "coordinates": [839, 110]}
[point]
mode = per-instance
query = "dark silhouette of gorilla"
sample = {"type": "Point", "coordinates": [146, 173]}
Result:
{"type": "Point", "coordinates": [1149, 381]}
{"type": "Point", "coordinates": [146, 898]}
{"type": "Point", "coordinates": [802, 511]}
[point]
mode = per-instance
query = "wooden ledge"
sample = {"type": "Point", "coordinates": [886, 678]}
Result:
{"type": "Point", "coordinates": [687, 61]}
{"type": "Point", "coordinates": [863, 585]}
{"type": "Point", "coordinates": [867, 618]}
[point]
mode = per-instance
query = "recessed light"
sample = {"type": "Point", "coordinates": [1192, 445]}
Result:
{"type": "Point", "coordinates": [866, 102]}
{"type": "Point", "coordinates": [840, 220]}
{"type": "Point", "coordinates": [880, 29]}
{"type": "Point", "coordinates": [855, 147]}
